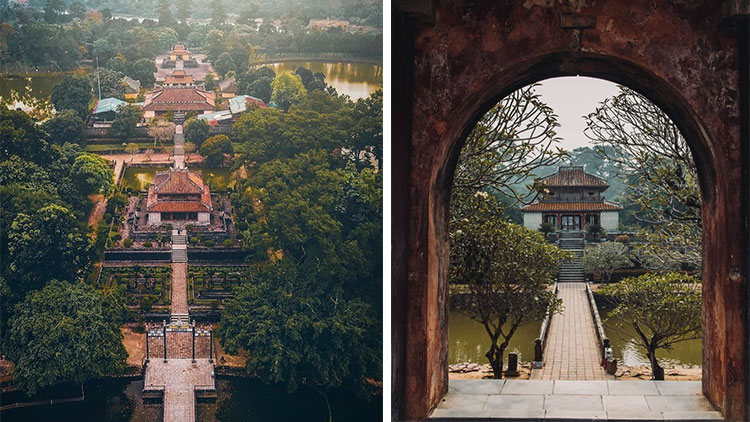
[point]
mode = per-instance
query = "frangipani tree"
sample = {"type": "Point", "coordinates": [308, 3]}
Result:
{"type": "Point", "coordinates": [606, 258]}
{"type": "Point", "coordinates": [665, 309]}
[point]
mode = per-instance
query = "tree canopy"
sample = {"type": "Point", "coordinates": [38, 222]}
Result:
{"type": "Point", "coordinates": [92, 174]}
{"type": "Point", "coordinates": [126, 118]}
{"type": "Point", "coordinates": [65, 332]}
{"type": "Point", "coordinates": [73, 93]}
{"type": "Point", "coordinates": [214, 149]}
{"type": "Point", "coordinates": [287, 90]}
{"type": "Point", "coordinates": [196, 131]}
{"type": "Point", "coordinates": [65, 126]}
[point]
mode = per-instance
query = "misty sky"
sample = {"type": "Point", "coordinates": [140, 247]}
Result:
{"type": "Point", "coordinates": [571, 98]}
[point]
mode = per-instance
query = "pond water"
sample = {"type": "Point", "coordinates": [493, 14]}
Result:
{"type": "Point", "coordinates": [468, 340]}
{"type": "Point", "coordinates": [238, 400]}
{"type": "Point", "coordinates": [357, 80]}
{"type": "Point", "coordinates": [622, 337]}
{"type": "Point", "coordinates": [138, 178]}
{"type": "Point", "coordinates": [32, 92]}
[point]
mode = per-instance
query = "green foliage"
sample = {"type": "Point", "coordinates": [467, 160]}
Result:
{"type": "Point", "coordinates": [504, 269]}
{"type": "Point", "coordinates": [48, 244]}
{"type": "Point", "coordinates": [209, 243]}
{"type": "Point", "coordinates": [73, 93]}
{"type": "Point", "coordinates": [127, 242]}
{"type": "Point", "coordinates": [218, 13]}
{"type": "Point", "coordinates": [147, 244]}
{"type": "Point", "coordinates": [209, 82]}
{"type": "Point", "coordinates": [547, 228]}
{"type": "Point", "coordinates": [593, 229]}
{"type": "Point", "coordinates": [65, 126]}
{"type": "Point", "coordinates": [110, 82]}
{"type": "Point", "coordinates": [664, 309]}
{"type": "Point", "coordinates": [19, 135]}
{"type": "Point", "coordinates": [287, 90]}
{"type": "Point", "coordinates": [605, 258]}
{"type": "Point", "coordinates": [126, 118]}
{"type": "Point", "coordinates": [196, 131]}
{"type": "Point", "coordinates": [116, 63]}
{"type": "Point", "coordinates": [261, 88]}
{"type": "Point", "coordinates": [65, 332]}
{"type": "Point", "coordinates": [214, 149]}
{"type": "Point", "coordinates": [143, 70]}
{"type": "Point", "coordinates": [227, 243]}
{"type": "Point", "coordinates": [301, 333]}
{"type": "Point", "coordinates": [225, 63]}
{"type": "Point", "coordinates": [92, 174]}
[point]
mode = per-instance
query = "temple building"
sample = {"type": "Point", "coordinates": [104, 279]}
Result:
{"type": "Point", "coordinates": [177, 99]}
{"type": "Point", "coordinates": [179, 195]}
{"type": "Point", "coordinates": [179, 78]}
{"type": "Point", "coordinates": [571, 199]}
{"type": "Point", "coordinates": [179, 53]}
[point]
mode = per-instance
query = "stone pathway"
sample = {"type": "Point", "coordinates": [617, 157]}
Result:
{"type": "Point", "coordinates": [572, 351]}
{"type": "Point", "coordinates": [179, 289]}
{"type": "Point", "coordinates": [179, 148]}
{"type": "Point", "coordinates": [178, 378]}
{"type": "Point", "coordinates": [472, 400]}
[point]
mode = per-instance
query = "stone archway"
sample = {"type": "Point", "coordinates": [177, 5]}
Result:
{"type": "Point", "coordinates": [466, 55]}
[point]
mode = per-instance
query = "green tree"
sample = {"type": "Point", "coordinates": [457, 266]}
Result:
{"type": "Point", "coordinates": [606, 258]}
{"type": "Point", "coordinates": [52, 10]}
{"type": "Point", "coordinates": [131, 149]}
{"type": "Point", "coordinates": [664, 309]}
{"type": "Point", "coordinates": [77, 10]}
{"type": "Point", "coordinates": [143, 70]}
{"type": "Point", "coordinates": [504, 270]}
{"type": "Point", "coordinates": [73, 93]}
{"type": "Point", "coordinates": [126, 117]}
{"type": "Point", "coordinates": [20, 135]}
{"type": "Point", "coordinates": [287, 90]}
{"type": "Point", "coordinates": [225, 63]}
{"type": "Point", "coordinates": [649, 152]}
{"type": "Point", "coordinates": [302, 333]}
{"type": "Point", "coordinates": [92, 174]}
{"type": "Point", "coordinates": [214, 149]}
{"type": "Point", "coordinates": [196, 131]}
{"type": "Point", "coordinates": [261, 88]}
{"type": "Point", "coordinates": [367, 132]}
{"type": "Point", "coordinates": [66, 126]}
{"type": "Point", "coordinates": [209, 82]}
{"type": "Point", "coordinates": [165, 13]}
{"type": "Point", "coordinates": [116, 63]}
{"type": "Point", "coordinates": [65, 332]}
{"type": "Point", "coordinates": [218, 13]}
{"type": "Point", "coordinates": [49, 244]}
{"type": "Point", "coordinates": [183, 11]}
{"type": "Point", "coordinates": [110, 82]}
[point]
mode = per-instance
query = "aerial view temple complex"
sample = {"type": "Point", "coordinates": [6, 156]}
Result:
{"type": "Point", "coordinates": [572, 199]}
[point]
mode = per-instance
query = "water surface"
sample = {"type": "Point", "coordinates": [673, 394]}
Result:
{"type": "Point", "coordinates": [469, 341]}
{"type": "Point", "coordinates": [356, 80]}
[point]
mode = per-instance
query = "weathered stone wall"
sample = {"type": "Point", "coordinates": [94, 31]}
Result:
{"type": "Point", "coordinates": [610, 220]}
{"type": "Point", "coordinates": [532, 220]}
{"type": "Point", "coordinates": [468, 55]}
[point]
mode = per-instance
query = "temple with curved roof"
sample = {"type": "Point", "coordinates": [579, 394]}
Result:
{"type": "Point", "coordinates": [179, 195]}
{"type": "Point", "coordinates": [572, 199]}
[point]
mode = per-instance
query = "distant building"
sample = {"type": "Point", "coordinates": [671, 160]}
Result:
{"type": "Point", "coordinates": [240, 103]}
{"type": "Point", "coordinates": [178, 100]}
{"type": "Point", "coordinates": [132, 87]}
{"type": "Point", "coordinates": [228, 87]}
{"type": "Point", "coordinates": [324, 24]}
{"type": "Point", "coordinates": [179, 195]}
{"type": "Point", "coordinates": [105, 109]}
{"type": "Point", "coordinates": [179, 53]}
{"type": "Point", "coordinates": [179, 78]}
{"type": "Point", "coordinates": [571, 200]}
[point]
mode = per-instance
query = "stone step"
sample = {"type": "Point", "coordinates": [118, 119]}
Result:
{"type": "Point", "coordinates": [179, 319]}
{"type": "Point", "coordinates": [179, 255]}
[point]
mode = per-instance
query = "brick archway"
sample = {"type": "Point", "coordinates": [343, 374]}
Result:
{"type": "Point", "coordinates": [466, 56]}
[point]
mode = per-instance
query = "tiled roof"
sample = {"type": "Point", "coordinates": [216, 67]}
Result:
{"type": "Point", "coordinates": [239, 103]}
{"type": "Point", "coordinates": [179, 49]}
{"type": "Point", "coordinates": [228, 85]}
{"type": "Point", "coordinates": [573, 176]}
{"type": "Point", "coordinates": [179, 77]}
{"type": "Point", "coordinates": [571, 206]}
{"type": "Point", "coordinates": [179, 207]}
{"type": "Point", "coordinates": [131, 85]}
{"type": "Point", "coordinates": [179, 99]}
{"type": "Point", "coordinates": [178, 182]}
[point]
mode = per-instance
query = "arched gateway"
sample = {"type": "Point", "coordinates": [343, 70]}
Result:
{"type": "Point", "coordinates": [454, 60]}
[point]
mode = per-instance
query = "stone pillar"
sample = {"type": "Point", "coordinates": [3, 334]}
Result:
{"type": "Point", "coordinates": [164, 331]}
{"type": "Point", "coordinates": [211, 346]}
{"type": "Point", "coordinates": [146, 344]}
{"type": "Point", "coordinates": [193, 332]}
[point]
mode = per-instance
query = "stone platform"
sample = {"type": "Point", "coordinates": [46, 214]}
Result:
{"type": "Point", "coordinates": [179, 379]}
{"type": "Point", "coordinates": [526, 400]}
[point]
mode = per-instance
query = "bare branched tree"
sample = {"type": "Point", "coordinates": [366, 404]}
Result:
{"type": "Point", "coordinates": [514, 138]}
{"type": "Point", "coordinates": [652, 155]}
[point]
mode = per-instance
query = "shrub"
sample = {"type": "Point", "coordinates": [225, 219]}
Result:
{"type": "Point", "coordinates": [194, 240]}
{"type": "Point", "coordinates": [210, 243]}
{"type": "Point", "coordinates": [547, 228]}
{"type": "Point", "coordinates": [147, 244]}
{"type": "Point", "coordinates": [189, 227]}
{"type": "Point", "coordinates": [227, 242]}
{"type": "Point", "coordinates": [147, 303]}
{"type": "Point", "coordinates": [127, 242]}
{"type": "Point", "coordinates": [242, 226]}
{"type": "Point", "coordinates": [108, 243]}
{"type": "Point", "coordinates": [623, 238]}
{"type": "Point", "coordinates": [107, 217]}
{"type": "Point", "coordinates": [140, 328]}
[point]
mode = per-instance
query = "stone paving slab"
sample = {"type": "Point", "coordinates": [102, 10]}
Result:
{"type": "Point", "coordinates": [469, 400]}
{"type": "Point", "coordinates": [179, 378]}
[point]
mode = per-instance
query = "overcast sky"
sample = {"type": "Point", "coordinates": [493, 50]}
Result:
{"type": "Point", "coordinates": [572, 98]}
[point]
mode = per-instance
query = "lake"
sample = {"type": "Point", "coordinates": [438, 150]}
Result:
{"type": "Point", "coordinates": [239, 399]}
{"type": "Point", "coordinates": [31, 92]}
{"type": "Point", "coordinates": [468, 340]}
{"type": "Point", "coordinates": [357, 80]}
{"type": "Point", "coordinates": [138, 178]}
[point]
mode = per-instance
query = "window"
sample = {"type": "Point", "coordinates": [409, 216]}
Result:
{"type": "Point", "coordinates": [571, 222]}
{"type": "Point", "coordinates": [551, 219]}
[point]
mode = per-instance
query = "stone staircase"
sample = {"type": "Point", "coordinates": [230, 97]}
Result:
{"type": "Point", "coordinates": [180, 320]}
{"type": "Point", "coordinates": [571, 271]}
{"type": "Point", "coordinates": [179, 246]}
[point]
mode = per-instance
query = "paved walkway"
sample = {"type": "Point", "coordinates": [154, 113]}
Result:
{"type": "Point", "coordinates": [179, 148]}
{"type": "Point", "coordinates": [179, 289]}
{"type": "Point", "coordinates": [472, 400]}
{"type": "Point", "coordinates": [572, 351]}
{"type": "Point", "coordinates": [179, 378]}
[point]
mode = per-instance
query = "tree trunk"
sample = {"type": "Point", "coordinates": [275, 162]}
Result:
{"type": "Point", "coordinates": [328, 403]}
{"type": "Point", "coordinates": [495, 356]}
{"type": "Point", "coordinates": [657, 372]}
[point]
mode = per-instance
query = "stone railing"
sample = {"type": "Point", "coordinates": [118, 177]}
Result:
{"type": "Point", "coordinates": [541, 341]}
{"type": "Point", "coordinates": [608, 362]}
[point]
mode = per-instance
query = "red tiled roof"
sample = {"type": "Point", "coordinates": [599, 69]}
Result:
{"type": "Point", "coordinates": [571, 206]}
{"type": "Point", "coordinates": [179, 77]}
{"type": "Point", "coordinates": [179, 49]}
{"type": "Point", "coordinates": [178, 182]}
{"type": "Point", "coordinates": [573, 176]}
{"type": "Point", "coordinates": [179, 99]}
{"type": "Point", "coordinates": [179, 207]}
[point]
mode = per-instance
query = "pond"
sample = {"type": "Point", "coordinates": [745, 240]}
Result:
{"type": "Point", "coordinates": [138, 178]}
{"type": "Point", "coordinates": [33, 92]}
{"type": "Point", "coordinates": [468, 340]}
{"type": "Point", "coordinates": [622, 337]}
{"type": "Point", "coordinates": [357, 80]}
{"type": "Point", "coordinates": [238, 400]}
